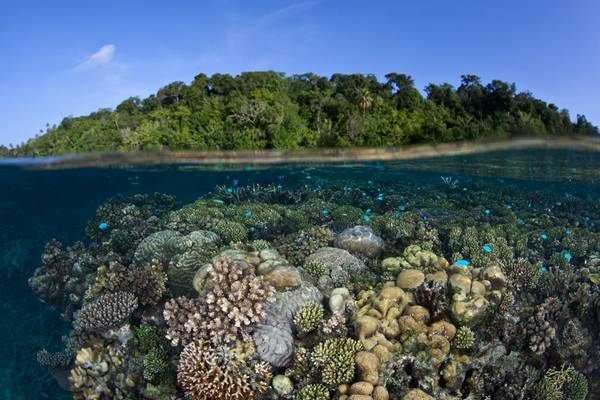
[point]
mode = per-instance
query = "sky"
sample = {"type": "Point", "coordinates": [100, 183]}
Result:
{"type": "Point", "coordinates": [68, 58]}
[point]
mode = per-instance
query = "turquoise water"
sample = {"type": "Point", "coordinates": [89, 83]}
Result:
{"type": "Point", "coordinates": [524, 223]}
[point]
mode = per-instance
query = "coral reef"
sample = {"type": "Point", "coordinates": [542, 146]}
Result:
{"type": "Point", "coordinates": [345, 290]}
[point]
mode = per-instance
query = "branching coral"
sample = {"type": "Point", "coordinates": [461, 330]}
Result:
{"type": "Point", "coordinates": [540, 328]}
{"type": "Point", "coordinates": [336, 358]}
{"type": "Point", "coordinates": [235, 300]}
{"type": "Point", "coordinates": [314, 391]}
{"type": "Point", "coordinates": [565, 383]}
{"type": "Point", "coordinates": [433, 296]}
{"type": "Point", "coordinates": [309, 317]}
{"type": "Point", "coordinates": [107, 311]}
{"type": "Point", "coordinates": [205, 373]}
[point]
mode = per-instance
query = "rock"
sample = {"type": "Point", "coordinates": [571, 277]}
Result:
{"type": "Point", "coordinates": [380, 393]}
{"type": "Point", "coordinates": [360, 240]}
{"type": "Point", "coordinates": [343, 388]}
{"type": "Point", "coordinates": [410, 279]}
{"type": "Point", "coordinates": [494, 274]}
{"type": "Point", "coordinates": [282, 385]}
{"type": "Point", "coordinates": [364, 388]}
{"type": "Point", "coordinates": [440, 276]}
{"type": "Point", "coordinates": [284, 277]}
{"type": "Point", "coordinates": [460, 284]}
{"type": "Point", "coordinates": [417, 394]}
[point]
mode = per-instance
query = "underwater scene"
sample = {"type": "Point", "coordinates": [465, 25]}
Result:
{"type": "Point", "coordinates": [471, 276]}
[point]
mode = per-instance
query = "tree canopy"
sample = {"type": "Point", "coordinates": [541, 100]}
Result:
{"type": "Point", "coordinates": [268, 110]}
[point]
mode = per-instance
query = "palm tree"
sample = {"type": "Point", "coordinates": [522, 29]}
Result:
{"type": "Point", "coordinates": [365, 100]}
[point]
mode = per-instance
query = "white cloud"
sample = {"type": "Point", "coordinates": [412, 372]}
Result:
{"type": "Point", "coordinates": [104, 56]}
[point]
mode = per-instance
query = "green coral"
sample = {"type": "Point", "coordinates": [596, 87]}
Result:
{"type": "Point", "coordinates": [565, 383]}
{"type": "Point", "coordinates": [335, 358]}
{"type": "Point", "coordinates": [231, 231]}
{"type": "Point", "coordinates": [259, 245]}
{"type": "Point", "coordinates": [309, 317]}
{"type": "Point", "coordinates": [464, 338]}
{"type": "Point", "coordinates": [156, 365]}
{"type": "Point", "coordinates": [346, 217]}
{"type": "Point", "coordinates": [313, 392]}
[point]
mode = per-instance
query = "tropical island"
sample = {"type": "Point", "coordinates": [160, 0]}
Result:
{"type": "Point", "coordinates": [269, 110]}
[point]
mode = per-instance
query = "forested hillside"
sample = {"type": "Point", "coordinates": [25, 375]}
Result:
{"type": "Point", "coordinates": [256, 110]}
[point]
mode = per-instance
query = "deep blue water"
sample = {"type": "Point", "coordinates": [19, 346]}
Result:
{"type": "Point", "coordinates": [37, 205]}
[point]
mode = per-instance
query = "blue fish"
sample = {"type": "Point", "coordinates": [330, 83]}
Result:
{"type": "Point", "coordinates": [103, 226]}
{"type": "Point", "coordinates": [235, 182]}
{"type": "Point", "coordinates": [543, 269]}
{"type": "Point", "coordinates": [402, 208]}
{"type": "Point", "coordinates": [380, 197]}
{"type": "Point", "coordinates": [487, 212]}
{"type": "Point", "coordinates": [368, 210]}
{"type": "Point", "coordinates": [543, 236]}
{"type": "Point", "coordinates": [568, 256]}
{"type": "Point", "coordinates": [462, 263]}
{"type": "Point", "coordinates": [509, 206]}
{"type": "Point", "coordinates": [487, 248]}
{"type": "Point", "coordinates": [279, 186]}
{"type": "Point", "coordinates": [229, 190]}
{"type": "Point", "coordinates": [248, 213]}
{"type": "Point", "coordinates": [568, 231]}
{"type": "Point", "coordinates": [366, 217]}
{"type": "Point", "coordinates": [325, 211]}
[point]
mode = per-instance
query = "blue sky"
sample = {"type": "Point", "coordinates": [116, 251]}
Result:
{"type": "Point", "coordinates": [65, 57]}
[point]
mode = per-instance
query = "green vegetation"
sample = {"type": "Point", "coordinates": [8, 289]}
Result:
{"type": "Point", "coordinates": [258, 110]}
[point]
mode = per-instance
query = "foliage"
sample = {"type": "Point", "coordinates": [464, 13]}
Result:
{"type": "Point", "coordinates": [256, 110]}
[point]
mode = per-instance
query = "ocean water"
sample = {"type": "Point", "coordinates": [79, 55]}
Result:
{"type": "Point", "coordinates": [489, 262]}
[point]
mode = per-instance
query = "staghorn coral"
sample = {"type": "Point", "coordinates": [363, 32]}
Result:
{"type": "Point", "coordinates": [107, 311]}
{"type": "Point", "coordinates": [520, 274]}
{"type": "Point", "coordinates": [206, 373]}
{"type": "Point", "coordinates": [309, 317]}
{"type": "Point", "coordinates": [335, 358]}
{"type": "Point", "coordinates": [565, 383]}
{"type": "Point", "coordinates": [235, 300]}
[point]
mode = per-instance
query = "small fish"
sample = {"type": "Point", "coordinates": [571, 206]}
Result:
{"type": "Point", "coordinates": [366, 217]}
{"type": "Point", "coordinates": [462, 263]}
{"type": "Point", "coordinates": [218, 201]}
{"type": "Point", "coordinates": [487, 211]}
{"type": "Point", "coordinates": [235, 182]}
{"type": "Point", "coordinates": [543, 236]}
{"type": "Point", "coordinates": [543, 269]}
{"type": "Point", "coordinates": [248, 213]}
{"type": "Point", "coordinates": [380, 197]}
{"type": "Point", "coordinates": [103, 226]}
{"type": "Point", "coordinates": [279, 186]}
{"type": "Point", "coordinates": [229, 190]}
{"type": "Point", "coordinates": [325, 211]}
{"type": "Point", "coordinates": [487, 248]}
{"type": "Point", "coordinates": [568, 231]}
{"type": "Point", "coordinates": [402, 208]}
{"type": "Point", "coordinates": [568, 256]}
{"type": "Point", "coordinates": [509, 206]}
{"type": "Point", "coordinates": [368, 210]}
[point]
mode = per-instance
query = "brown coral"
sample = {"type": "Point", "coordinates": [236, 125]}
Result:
{"type": "Point", "coordinates": [207, 374]}
{"type": "Point", "coordinates": [108, 310]}
{"type": "Point", "coordinates": [540, 328]}
{"type": "Point", "coordinates": [234, 301]}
